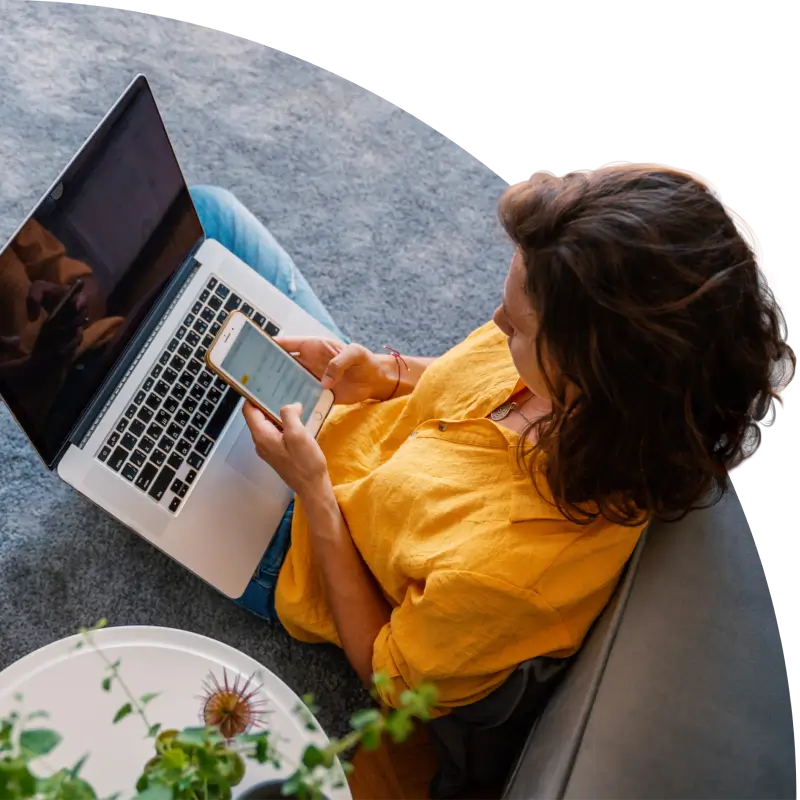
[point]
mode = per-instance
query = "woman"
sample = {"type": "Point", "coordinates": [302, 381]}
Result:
{"type": "Point", "coordinates": [460, 515]}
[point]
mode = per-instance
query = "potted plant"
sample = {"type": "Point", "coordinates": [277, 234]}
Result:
{"type": "Point", "coordinates": [206, 762]}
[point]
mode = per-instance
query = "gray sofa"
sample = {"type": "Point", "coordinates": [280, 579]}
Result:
{"type": "Point", "coordinates": [680, 690]}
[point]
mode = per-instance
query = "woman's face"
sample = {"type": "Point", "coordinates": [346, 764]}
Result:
{"type": "Point", "coordinates": [517, 320]}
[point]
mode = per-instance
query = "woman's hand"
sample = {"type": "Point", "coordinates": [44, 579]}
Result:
{"type": "Point", "coordinates": [293, 453]}
{"type": "Point", "coordinates": [351, 371]}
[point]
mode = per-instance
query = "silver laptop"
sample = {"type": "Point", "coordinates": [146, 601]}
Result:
{"type": "Point", "coordinates": [133, 419]}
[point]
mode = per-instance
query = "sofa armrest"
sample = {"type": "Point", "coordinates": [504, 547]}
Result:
{"type": "Point", "coordinates": [692, 698]}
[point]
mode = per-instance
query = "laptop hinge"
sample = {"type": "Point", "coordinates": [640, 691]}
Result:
{"type": "Point", "coordinates": [127, 362]}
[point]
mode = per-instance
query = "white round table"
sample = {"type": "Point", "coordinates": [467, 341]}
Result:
{"type": "Point", "coordinates": [66, 683]}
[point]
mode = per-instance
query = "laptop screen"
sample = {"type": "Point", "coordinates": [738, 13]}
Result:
{"type": "Point", "coordinates": [79, 278]}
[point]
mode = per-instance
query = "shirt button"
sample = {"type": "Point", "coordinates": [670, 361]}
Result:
{"type": "Point", "coordinates": [442, 426]}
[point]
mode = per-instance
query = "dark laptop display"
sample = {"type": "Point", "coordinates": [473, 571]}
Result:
{"type": "Point", "coordinates": [78, 280]}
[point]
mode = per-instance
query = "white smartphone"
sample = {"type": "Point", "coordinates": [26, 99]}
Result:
{"type": "Point", "coordinates": [258, 368]}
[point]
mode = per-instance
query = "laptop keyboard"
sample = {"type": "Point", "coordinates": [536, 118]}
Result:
{"type": "Point", "coordinates": [166, 435]}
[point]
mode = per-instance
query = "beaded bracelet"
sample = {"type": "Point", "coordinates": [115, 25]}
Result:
{"type": "Point", "coordinates": [398, 358]}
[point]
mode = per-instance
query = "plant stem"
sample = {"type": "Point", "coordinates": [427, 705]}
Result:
{"type": "Point", "coordinates": [139, 709]}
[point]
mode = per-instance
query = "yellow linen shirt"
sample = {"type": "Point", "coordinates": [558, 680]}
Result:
{"type": "Point", "coordinates": [481, 572]}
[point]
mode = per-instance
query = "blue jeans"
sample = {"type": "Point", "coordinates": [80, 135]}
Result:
{"type": "Point", "coordinates": [227, 221]}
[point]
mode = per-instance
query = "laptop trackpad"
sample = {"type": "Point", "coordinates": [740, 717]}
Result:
{"type": "Point", "coordinates": [244, 459]}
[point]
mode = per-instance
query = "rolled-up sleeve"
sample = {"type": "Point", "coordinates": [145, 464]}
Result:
{"type": "Point", "coordinates": [465, 633]}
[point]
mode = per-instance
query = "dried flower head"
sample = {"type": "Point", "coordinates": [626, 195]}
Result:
{"type": "Point", "coordinates": [232, 708]}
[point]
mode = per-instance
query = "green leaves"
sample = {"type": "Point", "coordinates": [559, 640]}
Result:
{"type": "Point", "coordinates": [363, 719]}
{"type": "Point", "coordinates": [314, 757]}
{"type": "Point", "coordinates": [158, 791]}
{"type": "Point", "coordinates": [122, 713]}
{"type": "Point", "coordinates": [35, 743]}
{"type": "Point", "coordinates": [146, 698]}
{"type": "Point", "coordinates": [106, 684]}
{"type": "Point", "coordinates": [16, 779]}
{"type": "Point", "coordinates": [153, 730]}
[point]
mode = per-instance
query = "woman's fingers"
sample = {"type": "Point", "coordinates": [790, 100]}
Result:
{"type": "Point", "coordinates": [266, 437]}
{"type": "Point", "coordinates": [350, 356]}
{"type": "Point", "coordinates": [293, 428]}
{"type": "Point", "coordinates": [313, 353]}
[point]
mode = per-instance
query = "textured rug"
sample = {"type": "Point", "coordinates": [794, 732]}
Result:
{"type": "Point", "coordinates": [394, 225]}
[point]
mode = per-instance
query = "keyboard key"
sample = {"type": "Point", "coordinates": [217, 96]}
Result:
{"type": "Point", "coordinates": [272, 329]}
{"type": "Point", "coordinates": [214, 395]}
{"type": "Point", "coordinates": [212, 283]}
{"type": "Point", "coordinates": [186, 379]}
{"type": "Point", "coordinates": [162, 418]}
{"type": "Point", "coordinates": [260, 320]}
{"type": "Point", "coordinates": [207, 314]}
{"type": "Point", "coordinates": [222, 317]}
{"type": "Point", "coordinates": [156, 371]}
{"type": "Point", "coordinates": [192, 338]}
{"type": "Point", "coordinates": [222, 414]}
{"type": "Point", "coordinates": [146, 477]}
{"type": "Point", "coordinates": [215, 302]}
{"type": "Point", "coordinates": [158, 457]}
{"type": "Point", "coordinates": [234, 301]}
{"type": "Point", "coordinates": [207, 342]}
{"type": "Point", "coordinates": [117, 459]}
{"type": "Point", "coordinates": [147, 444]}
{"type": "Point", "coordinates": [179, 488]}
{"type": "Point", "coordinates": [177, 363]}
{"type": "Point", "coordinates": [178, 392]}
{"type": "Point", "coordinates": [153, 400]}
{"type": "Point", "coordinates": [113, 439]}
{"type": "Point", "coordinates": [223, 291]}
{"type": "Point", "coordinates": [128, 441]}
{"type": "Point", "coordinates": [195, 461]}
{"type": "Point", "coordinates": [154, 431]}
{"type": "Point", "coordinates": [204, 446]}
{"type": "Point", "coordinates": [215, 329]}
{"type": "Point", "coordinates": [204, 295]}
{"type": "Point", "coordinates": [194, 367]}
{"type": "Point", "coordinates": [190, 476]}
{"type": "Point", "coordinates": [161, 483]}
{"type": "Point", "coordinates": [138, 458]}
{"type": "Point", "coordinates": [191, 434]}
{"type": "Point", "coordinates": [200, 327]}
{"type": "Point", "coordinates": [247, 309]}
{"type": "Point", "coordinates": [121, 425]}
{"type": "Point", "coordinates": [172, 346]}
{"type": "Point", "coordinates": [205, 378]}
{"type": "Point", "coordinates": [198, 392]}
{"type": "Point", "coordinates": [175, 461]}
{"type": "Point", "coordinates": [131, 412]}
{"type": "Point", "coordinates": [145, 414]}
{"type": "Point", "coordinates": [181, 333]}
{"type": "Point", "coordinates": [137, 428]}
{"type": "Point", "coordinates": [206, 408]}
{"type": "Point", "coordinates": [164, 357]}
{"type": "Point", "coordinates": [174, 431]}
{"type": "Point", "coordinates": [200, 353]}
{"type": "Point", "coordinates": [140, 397]}
{"type": "Point", "coordinates": [162, 389]}
{"type": "Point", "coordinates": [185, 350]}
{"type": "Point", "coordinates": [197, 308]}
{"type": "Point", "coordinates": [175, 504]}
{"type": "Point", "coordinates": [148, 385]}
{"type": "Point", "coordinates": [166, 444]}
{"type": "Point", "coordinates": [104, 453]}
{"type": "Point", "coordinates": [220, 384]}
{"type": "Point", "coordinates": [182, 417]}
{"type": "Point", "coordinates": [189, 321]}
{"type": "Point", "coordinates": [190, 404]}
{"type": "Point", "coordinates": [198, 420]}
{"type": "Point", "coordinates": [170, 376]}
{"type": "Point", "coordinates": [183, 447]}
{"type": "Point", "coordinates": [171, 404]}
{"type": "Point", "coordinates": [130, 472]}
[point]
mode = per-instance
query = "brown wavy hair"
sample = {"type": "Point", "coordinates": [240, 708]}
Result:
{"type": "Point", "coordinates": [663, 345]}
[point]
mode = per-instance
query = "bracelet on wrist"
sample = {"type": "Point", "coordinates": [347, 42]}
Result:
{"type": "Point", "coordinates": [398, 360]}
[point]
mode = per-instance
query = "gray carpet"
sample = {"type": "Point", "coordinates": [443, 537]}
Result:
{"type": "Point", "coordinates": [394, 225]}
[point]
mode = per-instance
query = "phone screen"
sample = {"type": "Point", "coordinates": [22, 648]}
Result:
{"type": "Point", "coordinates": [269, 374]}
